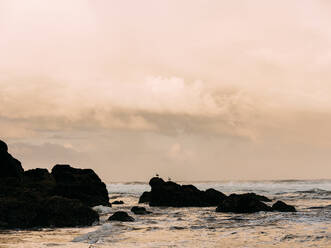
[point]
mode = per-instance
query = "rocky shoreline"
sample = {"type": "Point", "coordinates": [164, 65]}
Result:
{"type": "Point", "coordinates": [171, 194]}
{"type": "Point", "coordinates": [38, 198]}
{"type": "Point", "coordinates": [65, 196]}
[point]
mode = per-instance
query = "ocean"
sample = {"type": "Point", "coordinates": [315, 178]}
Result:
{"type": "Point", "coordinates": [199, 227]}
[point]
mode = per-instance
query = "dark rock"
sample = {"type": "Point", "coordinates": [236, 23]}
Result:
{"type": "Point", "coordinates": [283, 207]}
{"type": "Point", "coordinates": [9, 166]}
{"type": "Point", "coordinates": [140, 210]}
{"type": "Point", "coordinates": [63, 212]}
{"type": "Point", "coordinates": [214, 197]}
{"type": "Point", "coordinates": [37, 198]}
{"type": "Point", "coordinates": [19, 212]}
{"type": "Point", "coordinates": [40, 180]}
{"type": "Point", "coordinates": [156, 181]}
{"type": "Point", "coordinates": [258, 197]}
{"type": "Point", "coordinates": [121, 216]}
{"type": "Point", "coordinates": [3, 147]}
{"type": "Point", "coordinates": [145, 197]}
{"type": "Point", "coordinates": [172, 194]}
{"type": "Point", "coordinates": [56, 211]}
{"type": "Point", "coordinates": [82, 184]}
{"type": "Point", "coordinates": [245, 203]}
{"type": "Point", "coordinates": [117, 202]}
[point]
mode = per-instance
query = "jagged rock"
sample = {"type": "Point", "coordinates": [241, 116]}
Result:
{"type": "Point", "coordinates": [117, 202]}
{"type": "Point", "coordinates": [36, 198]}
{"type": "Point", "coordinates": [121, 216]}
{"type": "Point", "coordinates": [3, 147]}
{"type": "Point", "coordinates": [140, 210]}
{"type": "Point", "coordinates": [172, 194]}
{"type": "Point", "coordinates": [9, 166]}
{"type": "Point", "coordinates": [145, 197]}
{"type": "Point", "coordinates": [82, 184]}
{"type": "Point", "coordinates": [283, 207]}
{"type": "Point", "coordinates": [244, 203]}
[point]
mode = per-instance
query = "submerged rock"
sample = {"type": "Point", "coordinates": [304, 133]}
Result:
{"type": "Point", "coordinates": [172, 194]}
{"type": "Point", "coordinates": [145, 197]}
{"type": "Point", "coordinates": [244, 203]}
{"type": "Point", "coordinates": [121, 216]}
{"type": "Point", "coordinates": [140, 210]}
{"type": "Point", "coordinates": [117, 202]}
{"type": "Point", "coordinates": [82, 184]}
{"type": "Point", "coordinates": [283, 207]}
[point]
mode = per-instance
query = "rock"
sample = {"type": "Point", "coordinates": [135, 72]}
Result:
{"type": "Point", "coordinates": [19, 212]}
{"type": "Point", "coordinates": [82, 184]}
{"type": "Point", "coordinates": [9, 166]}
{"type": "Point", "coordinates": [63, 212]}
{"type": "Point", "coordinates": [121, 216]}
{"type": "Point", "coordinates": [172, 194]}
{"type": "Point", "coordinates": [258, 197]}
{"type": "Point", "coordinates": [140, 210]}
{"type": "Point", "coordinates": [3, 147]}
{"type": "Point", "coordinates": [37, 198]}
{"type": "Point", "coordinates": [244, 203]}
{"type": "Point", "coordinates": [117, 202]}
{"type": "Point", "coordinates": [56, 211]}
{"type": "Point", "coordinates": [156, 181]}
{"type": "Point", "coordinates": [40, 180]}
{"type": "Point", "coordinates": [145, 197]}
{"type": "Point", "coordinates": [214, 197]}
{"type": "Point", "coordinates": [283, 207]}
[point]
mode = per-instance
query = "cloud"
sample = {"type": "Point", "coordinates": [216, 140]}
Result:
{"type": "Point", "coordinates": [45, 155]}
{"type": "Point", "coordinates": [168, 72]}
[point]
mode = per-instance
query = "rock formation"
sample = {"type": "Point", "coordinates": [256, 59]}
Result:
{"type": "Point", "coordinates": [172, 194]}
{"type": "Point", "coordinates": [121, 216]}
{"type": "Point", "coordinates": [37, 198]}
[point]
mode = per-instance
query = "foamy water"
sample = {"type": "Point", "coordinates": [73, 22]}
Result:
{"type": "Point", "coordinates": [200, 227]}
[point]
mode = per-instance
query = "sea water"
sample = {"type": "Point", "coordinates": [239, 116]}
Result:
{"type": "Point", "coordinates": [199, 227]}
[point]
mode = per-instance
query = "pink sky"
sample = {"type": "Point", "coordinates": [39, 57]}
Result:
{"type": "Point", "coordinates": [194, 90]}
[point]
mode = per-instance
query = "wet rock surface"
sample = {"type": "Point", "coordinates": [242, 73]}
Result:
{"type": "Point", "coordinates": [121, 216]}
{"type": "Point", "coordinates": [283, 207]}
{"type": "Point", "coordinates": [140, 210]}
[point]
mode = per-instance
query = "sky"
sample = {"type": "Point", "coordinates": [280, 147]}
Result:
{"type": "Point", "coordinates": [192, 90]}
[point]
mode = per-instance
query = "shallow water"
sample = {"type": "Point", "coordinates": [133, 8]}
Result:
{"type": "Point", "coordinates": [201, 227]}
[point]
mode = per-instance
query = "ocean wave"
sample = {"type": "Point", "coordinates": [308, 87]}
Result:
{"type": "Point", "coordinates": [94, 237]}
{"type": "Point", "coordinates": [315, 191]}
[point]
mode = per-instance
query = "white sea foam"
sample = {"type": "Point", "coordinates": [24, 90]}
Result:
{"type": "Point", "coordinates": [102, 210]}
{"type": "Point", "coordinates": [96, 236]}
